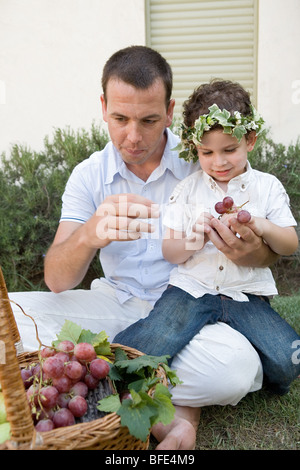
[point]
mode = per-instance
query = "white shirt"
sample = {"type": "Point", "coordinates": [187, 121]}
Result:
{"type": "Point", "coordinates": [208, 270]}
{"type": "Point", "coordinates": [134, 268]}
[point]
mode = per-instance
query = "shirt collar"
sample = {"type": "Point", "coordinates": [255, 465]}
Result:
{"type": "Point", "coordinates": [170, 160]}
{"type": "Point", "coordinates": [242, 181]}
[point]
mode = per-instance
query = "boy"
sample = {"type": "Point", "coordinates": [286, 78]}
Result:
{"type": "Point", "coordinates": [220, 128]}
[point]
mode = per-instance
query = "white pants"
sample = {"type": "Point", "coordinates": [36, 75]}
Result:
{"type": "Point", "coordinates": [218, 367]}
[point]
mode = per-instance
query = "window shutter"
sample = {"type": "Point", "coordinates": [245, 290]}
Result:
{"type": "Point", "coordinates": [203, 40]}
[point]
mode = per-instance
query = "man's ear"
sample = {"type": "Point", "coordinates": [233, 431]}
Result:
{"type": "Point", "coordinates": [170, 112]}
{"type": "Point", "coordinates": [104, 108]}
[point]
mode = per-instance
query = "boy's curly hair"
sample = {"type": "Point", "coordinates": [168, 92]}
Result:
{"type": "Point", "coordinates": [225, 93]}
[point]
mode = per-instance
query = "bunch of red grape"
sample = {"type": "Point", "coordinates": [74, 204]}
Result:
{"type": "Point", "coordinates": [227, 206]}
{"type": "Point", "coordinates": [57, 385]}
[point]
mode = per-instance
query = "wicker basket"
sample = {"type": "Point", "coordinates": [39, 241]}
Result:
{"type": "Point", "coordinates": [102, 434]}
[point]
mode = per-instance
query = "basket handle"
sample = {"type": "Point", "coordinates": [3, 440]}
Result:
{"type": "Point", "coordinates": [15, 399]}
{"type": "Point", "coordinates": [5, 299]}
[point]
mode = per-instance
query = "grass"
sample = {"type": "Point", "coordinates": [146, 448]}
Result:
{"type": "Point", "coordinates": [260, 421]}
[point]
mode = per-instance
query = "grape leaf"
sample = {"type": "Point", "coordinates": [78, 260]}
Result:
{"type": "Point", "coordinates": [101, 344]}
{"type": "Point", "coordinates": [110, 404]}
{"type": "Point", "coordinates": [136, 414]}
{"type": "Point", "coordinates": [120, 355]}
{"type": "Point", "coordinates": [138, 363]}
{"type": "Point", "coordinates": [143, 384]}
{"type": "Point", "coordinates": [70, 331]}
{"type": "Point", "coordinates": [165, 409]}
{"type": "Point", "coordinates": [171, 374]}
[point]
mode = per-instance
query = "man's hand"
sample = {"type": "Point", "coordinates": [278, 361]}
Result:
{"type": "Point", "coordinates": [119, 218]}
{"type": "Point", "coordinates": [247, 249]}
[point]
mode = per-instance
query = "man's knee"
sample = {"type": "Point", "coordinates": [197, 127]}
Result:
{"type": "Point", "coordinates": [218, 367]}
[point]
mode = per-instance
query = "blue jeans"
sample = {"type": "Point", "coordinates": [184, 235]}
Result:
{"type": "Point", "coordinates": [177, 317]}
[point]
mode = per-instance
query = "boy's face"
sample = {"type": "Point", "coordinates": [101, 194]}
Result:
{"type": "Point", "coordinates": [222, 157]}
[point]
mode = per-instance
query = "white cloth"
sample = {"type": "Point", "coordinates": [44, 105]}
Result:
{"type": "Point", "coordinates": [218, 367]}
{"type": "Point", "coordinates": [208, 271]}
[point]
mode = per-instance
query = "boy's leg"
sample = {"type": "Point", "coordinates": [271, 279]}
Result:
{"type": "Point", "coordinates": [175, 319]}
{"type": "Point", "coordinates": [274, 339]}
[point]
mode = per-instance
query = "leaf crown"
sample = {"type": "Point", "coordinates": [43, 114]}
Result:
{"type": "Point", "coordinates": [235, 124]}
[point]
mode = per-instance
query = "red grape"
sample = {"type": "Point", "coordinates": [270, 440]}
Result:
{"type": "Point", "coordinates": [63, 417]}
{"type": "Point", "coordinates": [44, 425]}
{"type": "Point", "coordinates": [63, 400]}
{"type": "Point", "coordinates": [48, 396]}
{"type": "Point", "coordinates": [45, 413]}
{"type": "Point", "coordinates": [228, 202]}
{"type": "Point", "coordinates": [126, 396]}
{"type": "Point", "coordinates": [66, 346]}
{"type": "Point", "coordinates": [85, 352]}
{"type": "Point", "coordinates": [243, 216]}
{"type": "Point", "coordinates": [62, 384]}
{"type": "Point", "coordinates": [53, 367]}
{"type": "Point", "coordinates": [73, 369]}
{"type": "Point", "coordinates": [219, 208]}
{"type": "Point", "coordinates": [32, 393]}
{"type": "Point", "coordinates": [47, 352]}
{"type": "Point", "coordinates": [99, 368]}
{"type": "Point", "coordinates": [27, 377]}
{"type": "Point", "coordinates": [63, 356]}
{"type": "Point", "coordinates": [80, 388]}
{"type": "Point", "coordinates": [91, 381]}
{"type": "Point", "coordinates": [78, 406]}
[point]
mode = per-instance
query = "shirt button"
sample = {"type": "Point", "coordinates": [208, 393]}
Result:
{"type": "Point", "coordinates": [217, 288]}
{"type": "Point", "coordinates": [221, 268]}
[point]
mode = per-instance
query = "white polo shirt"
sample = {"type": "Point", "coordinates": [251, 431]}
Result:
{"type": "Point", "coordinates": [134, 268]}
{"type": "Point", "coordinates": [208, 270]}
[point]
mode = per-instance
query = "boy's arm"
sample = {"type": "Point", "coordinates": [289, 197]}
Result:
{"type": "Point", "coordinates": [177, 248]}
{"type": "Point", "coordinates": [282, 240]}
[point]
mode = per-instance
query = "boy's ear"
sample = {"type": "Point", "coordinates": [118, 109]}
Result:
{"type": "Point", "coordinates": [251, 140]}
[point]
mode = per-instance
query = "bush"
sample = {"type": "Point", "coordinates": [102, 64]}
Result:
{"type": "Point", "coordinates": [284, 163]}
{"type": "Point", "coordinates": [31, 185]}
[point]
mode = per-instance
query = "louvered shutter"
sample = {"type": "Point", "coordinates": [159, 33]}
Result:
{"type": "Point", "coordinates": [203, 40]}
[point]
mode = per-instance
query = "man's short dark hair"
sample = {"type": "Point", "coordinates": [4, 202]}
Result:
{"type": "Point", "coordinates": [139, 66]}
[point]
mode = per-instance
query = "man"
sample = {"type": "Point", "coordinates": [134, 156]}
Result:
{"type": "Point", "coordinates": [113, 202]}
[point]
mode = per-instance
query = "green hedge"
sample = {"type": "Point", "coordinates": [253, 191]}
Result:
{"type": "Point", "coordinates": [31, 185]}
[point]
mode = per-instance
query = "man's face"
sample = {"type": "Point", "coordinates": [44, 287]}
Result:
{"type": "Point", "coordinates": [136, 120]}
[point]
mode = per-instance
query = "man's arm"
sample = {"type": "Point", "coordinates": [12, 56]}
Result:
{"type": "Point", "coordinates": [68, 258]}
{"type": "Point", "coordinates": [75, 244]}
{"type": "Point", "coordinates": [248, 250]}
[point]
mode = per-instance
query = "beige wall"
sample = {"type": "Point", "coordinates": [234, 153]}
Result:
{"type": "Point", "coordinates": [279, 67]}
{"type": "Point", "coordinates": [51, 58]}
{"type": "Point", "coordinates": [52, 53]}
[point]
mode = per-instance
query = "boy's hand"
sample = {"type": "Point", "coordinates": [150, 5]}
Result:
{"type": "Point", "coordinates": [202, 226]}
